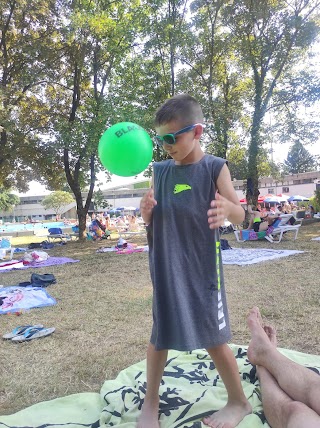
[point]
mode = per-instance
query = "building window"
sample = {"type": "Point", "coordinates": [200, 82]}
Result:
{"type": "Point", "coordinates": [271, 191]}
{"type": "Point", "coordinates": [27, 202]}
{"type": "Point", "coordinates": [285, 190]}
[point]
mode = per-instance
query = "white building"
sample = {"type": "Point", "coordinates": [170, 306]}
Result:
{"type": "Point", "coordinates": [303, 184]}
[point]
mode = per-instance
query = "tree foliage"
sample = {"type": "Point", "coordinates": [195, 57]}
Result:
{"type": "Point", "coordinates": [57, 201]}
{"type": "Point", "coordinates": [99, 200]}
{"type": "Point", "coordinates": [315, 200]}
{"type": "Point", "coordinates": [272, 37]}
{"type": "Point", "coordinates": [27, 58]}
{"type": "Point", "coordinates": [299, 160]}
{"type": "Point", "coordinates": [69, 70]}
{"type": "Point", "coordinates": [7, 200]}
{"type": "Point", "coordinates": [215, 75]}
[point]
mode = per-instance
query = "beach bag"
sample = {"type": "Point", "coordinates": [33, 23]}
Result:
{"type": "Point", "coordinates": [34, 245]}
{"type": "Point", "coordinates": [225, 244]}
{"type": "Point", "coordinates": [39, 280]}
{"type": "Point", "coordinates": [47, 245]}
{"type": "Point", "coordinates": [43, 280]}
{"type": "Point", "coordinates": [36, 256]}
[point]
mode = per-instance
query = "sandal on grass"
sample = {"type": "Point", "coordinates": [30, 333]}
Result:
{"type": "Point", "coordinates": [33, 333]}
{"type": "Point", "coordinates": [21, 329]}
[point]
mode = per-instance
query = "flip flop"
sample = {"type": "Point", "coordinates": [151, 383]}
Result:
{"type": "Point", "coordinates": [21, 329]}
{"type": "Point", "coordinates": [33, 333]}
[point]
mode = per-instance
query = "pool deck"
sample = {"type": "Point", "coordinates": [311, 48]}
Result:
{"type": "Point", "coordinates": [35, 232]}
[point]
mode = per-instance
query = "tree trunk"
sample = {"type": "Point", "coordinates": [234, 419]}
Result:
{"type": "Point", "coordinates": [82, 217]}
{"type": "Point", "coordinates": [252, 187]}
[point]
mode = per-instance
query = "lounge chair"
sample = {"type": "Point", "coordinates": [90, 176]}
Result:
{"type": "Point", "coordinates": [56, 233]}
{"type": "Point", "coordinates": [125, 232]}
{"type": "Point", "coordinates": [5, 246]}
{"type": "Point", "coordinates": [227, 227]}
{"type": "Point", "coordinates": [283, 227]}
{"type": "Point", "coordinates": [273, 234]}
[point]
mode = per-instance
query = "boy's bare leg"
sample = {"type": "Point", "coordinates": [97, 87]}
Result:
{"type": "Point", "coordinates": [280, 410]}
{"type": "Point", "coordinates": [156, 361]}
{"type": "Point", "coordinates": [298, 382]}
{"type": "Point", "coordinates": [238, 406]}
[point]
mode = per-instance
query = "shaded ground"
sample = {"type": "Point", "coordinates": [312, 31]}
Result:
{"type": "Point", "coordinates": [103, 315]}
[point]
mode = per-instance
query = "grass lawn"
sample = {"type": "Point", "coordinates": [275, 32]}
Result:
{"type": "Point", "coordinates": [103, 314]}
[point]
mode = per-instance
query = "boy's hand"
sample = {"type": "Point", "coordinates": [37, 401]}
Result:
{"type": "Point", "coordinates": [146, 206]}
{"type": "Point", "coordinates": [218, 212]}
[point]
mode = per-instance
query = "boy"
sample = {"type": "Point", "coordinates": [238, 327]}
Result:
{"type": "Point", "coordinates": [183, 212]}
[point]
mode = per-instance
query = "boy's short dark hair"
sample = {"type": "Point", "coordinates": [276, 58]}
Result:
{"type": "Point", "coordinates": [183, 108]}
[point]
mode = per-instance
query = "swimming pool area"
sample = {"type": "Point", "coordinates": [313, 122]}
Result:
{"type": "Point", "coordinates": [21, 227]}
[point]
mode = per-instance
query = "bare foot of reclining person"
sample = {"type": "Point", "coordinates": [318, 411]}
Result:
{"type": "Point", "coordinates": [289, 391]}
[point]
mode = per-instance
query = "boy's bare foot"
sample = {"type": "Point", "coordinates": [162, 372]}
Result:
{"type": "Point", "coordinates": [263, 339]}
{"type": "Point", "coordinates": [149, 417]}
{"type": "Point", "coordinates": [229, 416]}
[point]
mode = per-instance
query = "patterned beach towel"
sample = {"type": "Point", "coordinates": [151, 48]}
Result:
{"type": "Point", "coordinates": [191, 389]}
{"type": "Point", "coordinates": [249, 256]}
{"type": "Point", "coordinates": [51, 261]}
{"type": "Point", "coordinates": [14, 299]}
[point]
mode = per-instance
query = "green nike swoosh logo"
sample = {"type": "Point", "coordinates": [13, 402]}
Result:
{"type": "Point", "coordinates": [178, 188]}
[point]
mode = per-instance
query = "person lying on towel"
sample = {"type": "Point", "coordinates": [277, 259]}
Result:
{"type": "Point", "coordinates": [289, 392]}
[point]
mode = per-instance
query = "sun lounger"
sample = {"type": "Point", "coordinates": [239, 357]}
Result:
{"type": "Point", "coordinates": [56, 233]}
{"type": "Point", "coordinates": [227, 227]}
{"type": "Point", "coordinates": [275, 233]}
{"type": "Point", "coordinates": [5, 246]}
{"type": "Point", "coordinates": [126, 233]}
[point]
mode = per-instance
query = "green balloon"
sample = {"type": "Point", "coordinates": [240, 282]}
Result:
{"type": "Point", "coordinates": [125, 149]}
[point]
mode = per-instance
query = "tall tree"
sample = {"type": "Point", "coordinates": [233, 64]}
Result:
{"type": "Point", "coordinates": [150, 71]}
{"type": "Point", "coordinates": [99, 34]}
{"type": "Point", "coordinates": [57, 200]}
{"type": "Point", "coordinates": [299, 160]}
{"type": "Point", "coordinates": [164, 36]}
{"type": "Point", "coordinates": [273, 35]}
{"type": "Point", "coordinates": [27, 56]}
{"type": "Point", "coordinates": [7, 200]}
{"type": "Point", "coordinates": [212, 72]}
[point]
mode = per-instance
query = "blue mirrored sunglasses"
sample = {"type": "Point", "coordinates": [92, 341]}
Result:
{"type": "Point", "coordinates": [171, 138]}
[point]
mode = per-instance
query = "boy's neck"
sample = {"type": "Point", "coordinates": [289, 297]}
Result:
{"type": "Point", "coordinates": [193, 157]}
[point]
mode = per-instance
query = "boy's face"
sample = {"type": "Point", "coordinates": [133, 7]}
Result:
{"type": "Point", "coordinates": [186, 148]}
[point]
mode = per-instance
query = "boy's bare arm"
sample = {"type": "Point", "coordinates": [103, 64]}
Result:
{"type": "Point", "coordinates": [226, 204]}
{"type": "Point", "coordinates": [147, 204]}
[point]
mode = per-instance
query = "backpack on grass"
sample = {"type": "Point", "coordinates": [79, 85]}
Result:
{"type": "Point", "coordinates": [225, 244]}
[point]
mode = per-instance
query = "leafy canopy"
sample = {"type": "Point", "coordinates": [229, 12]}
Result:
{"type": "Point", "coordinates": [7, 200]}
{"type": "Point", "coordinates": [299, 160]}
{"type": "Point", "coordinates": [57, 200]}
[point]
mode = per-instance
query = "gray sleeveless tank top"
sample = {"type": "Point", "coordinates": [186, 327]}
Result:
{"type": "Point", "coordinates": [189, 302]}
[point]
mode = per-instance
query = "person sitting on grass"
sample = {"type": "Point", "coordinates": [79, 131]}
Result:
{"type": "Point", "coordinates": [133, 223]}
{"type": "Point", "coordinates": [289, 391]}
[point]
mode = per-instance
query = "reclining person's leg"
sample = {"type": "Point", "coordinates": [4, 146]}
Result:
{"type": "Point", "coordinates": [280, 410]}
{"type": "Point", "coordinates": [298, 382]}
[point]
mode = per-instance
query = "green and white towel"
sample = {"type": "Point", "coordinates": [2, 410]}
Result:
{"type": "Point", "coordinates": [191, 389]}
